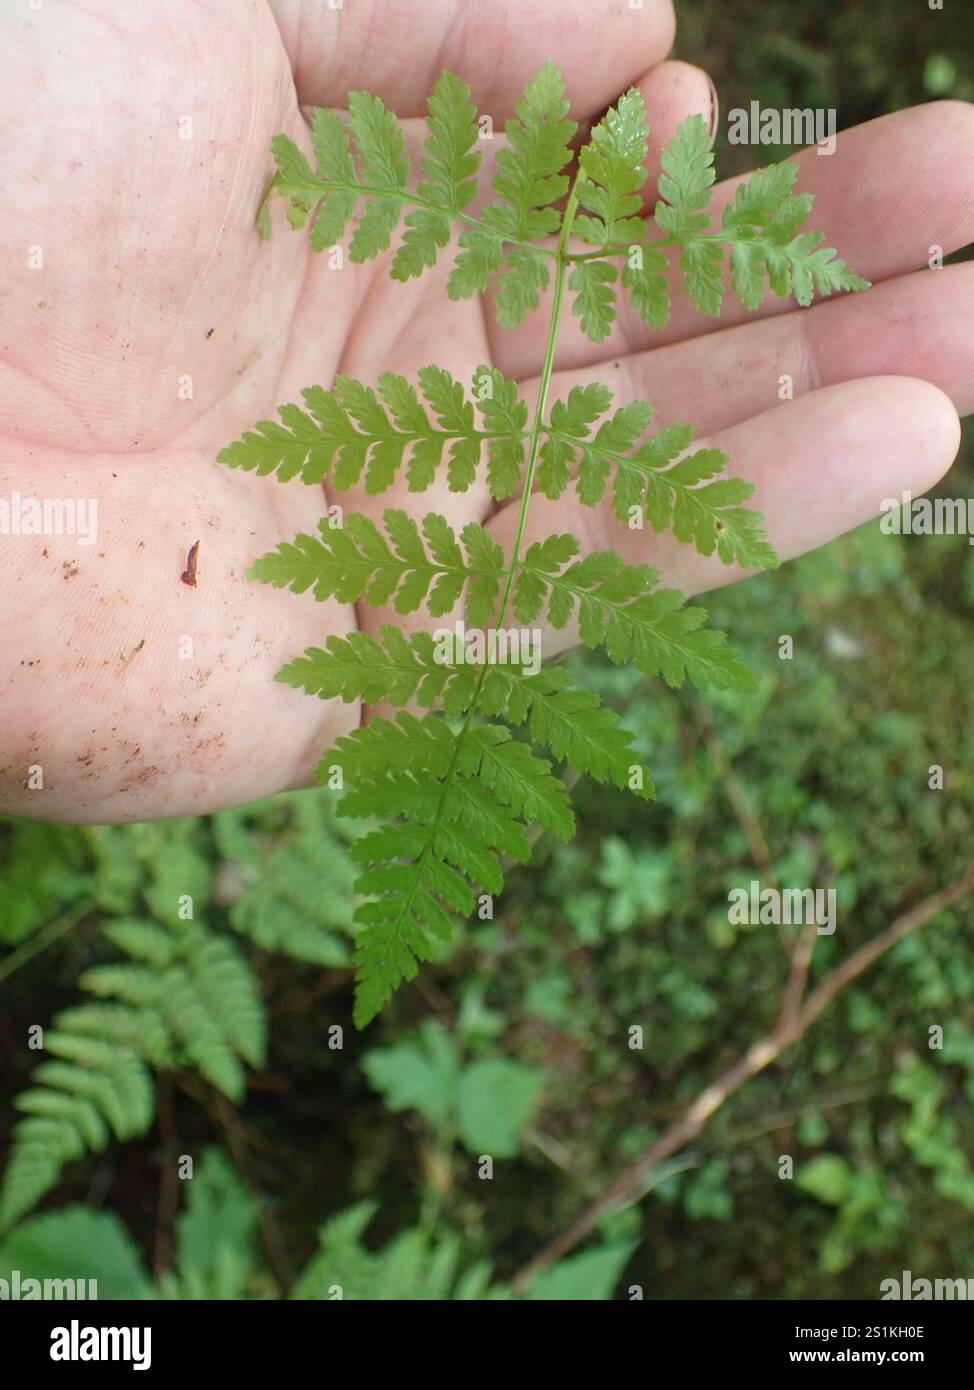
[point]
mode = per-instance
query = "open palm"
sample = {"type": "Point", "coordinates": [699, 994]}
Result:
{"type": "Point", "coordinates": [145, 326]}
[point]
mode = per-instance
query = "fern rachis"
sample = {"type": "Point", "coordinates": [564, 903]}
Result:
{"type": "Point", "coordinates": [458, 791]}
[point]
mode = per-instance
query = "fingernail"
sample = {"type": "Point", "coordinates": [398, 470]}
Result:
{"type": "Point", "coordinates": [714, 108]}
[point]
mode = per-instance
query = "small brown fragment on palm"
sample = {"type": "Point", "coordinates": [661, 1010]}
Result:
{"type": "Point", "coordinates": [188, 575]}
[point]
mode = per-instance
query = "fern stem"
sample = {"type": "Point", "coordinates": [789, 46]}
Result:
{"type": "Point", "coordinates": [514, 559]}
{"type": "Point", "coordinates": [538, 426]}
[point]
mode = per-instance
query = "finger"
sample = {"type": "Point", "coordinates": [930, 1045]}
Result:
{"type": "Point", "coordinates": [893, 189]}
{"type": "Point", "coordinates": [919, 325]}
{"type": "Point", "coordinates": [397, 48]}
{"type": "Point", "coordinates": [820, 465]}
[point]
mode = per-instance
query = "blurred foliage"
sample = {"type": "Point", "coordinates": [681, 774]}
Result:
{"type": "Point", "coordinates": [521, 1041]}
{"type": "Point", "coordinates": [860, 60]}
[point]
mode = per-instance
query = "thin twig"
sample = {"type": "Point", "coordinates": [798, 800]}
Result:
{"type": "Point", "coordinates": [786, 1119]}
{"type": "Point", "coordinates": [739, 801]}
{"type": "Point", "coordinates": [791, 1026]}
{"type": "Point", "coordinates": [801, 962]}
{"type": "Point", "coordinates": [45, 937]}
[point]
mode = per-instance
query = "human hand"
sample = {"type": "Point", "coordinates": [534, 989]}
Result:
{"type": "Point", "coordinates": [140, 696]}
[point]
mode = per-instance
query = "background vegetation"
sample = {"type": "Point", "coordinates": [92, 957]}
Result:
{"type": "Point", "coordinates": [515, 1043]}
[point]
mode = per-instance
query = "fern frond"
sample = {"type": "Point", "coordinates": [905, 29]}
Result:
{"type": "Point", "coordinates": [458, 793]}
{"type": "Point", "coordinates": [275, 857]}
{"type": "Point", "coordinates": [762, 227]}
{"type": "Point", "coordinates": [384, 165]}
{"type": "Point", "coordinates": [336, 188]}
{"type": "Point", "coordinates": [612, 173]}
{"type": "Point", "coordinates": [619, 607]}
{"type": "Point", "coordinates": [674, 491]}
{"type": "Point", "coordinates": [336, 169]}
{"type": "Point", "coordinates": [139, 1029]}
{"type": "Point", "coordinates": [410, 1266]}
{"type": "Point", "coordinates": [645, 279]}
{"type": "Point", "coordinates": [403, 567]}
{"type": "Point", "coordinates": [391, 667]}
{"type": "Point", "coordinates": [352, 427]}
{"type": "Point", "coordinates": [520, 779]}
{"type": "Point", "coordinates": [460, 801]}
{"type": "Point", "coordinates": [686, 178]}
{"type": "Point", "coordinates": [204, 997]}
{"type": "Point", "coordinates": [184, 997]}
{"type": "Point", "coordinates": [529, 181]}
{"type": "Point", "coordinates": [373, 169]}
{"type": "Point", "coordinates": [570, 722]}
{"type": "Point", "coordinates": [96, 1089]}
{"type": "Point", "coordinates": [450, 164]}
{"type": "Point", "coordinates": [595, 299]}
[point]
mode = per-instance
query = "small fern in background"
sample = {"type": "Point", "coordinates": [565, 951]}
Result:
{"type": "Point", "coordinates": [184, 998]}
{"type": "Point", "coordinates": [275, 859]}
{"type": "Point", "coordinates": [171, 994]}
{"type": "Point", "coordinates": [93, 1089]}
{"type": "Point", "coordinates": [215, 1245]}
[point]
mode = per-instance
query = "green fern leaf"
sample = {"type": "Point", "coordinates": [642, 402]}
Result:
{"type": "Point", "coordinates": [94, 1091]}
{"type": "Point", "coordinates": [408, 1267]}
{"type": "Point", "coordinates": [614, 173]}
{"type": "Point", "coordinates": [818, 269]}
{"type": "Point", "coordinates": [348, 429]}
{"type": "Point", "coordinates": [183, 997]}
{"type": "Point", "coordinates": [528, 182]}
{"type": "Point", "coordinates": [702, 268]}
{"type": "Point", "coordinates": [459, 803]}
{"type": "Point", "coordinates": [520, 779]}
{"type": "Point", "coordinates": [618, 607]}
{"type": "Point", "coordinates": [530, 177]}
{"type": "Point", "coordinates": [708, 515]}
{"type": "Point", "coordinates": [358, 667]}
{"type": "Point", "coordinates": [571, 723]}
{"type": "Point", "coordinates": [595, 298]}
{"type": "Point", "coordinates": [458, 795]}
{"type": "Point", "coordinates": [383, 161]}
{"type": "Point", "coordinates": [681, 495]}
{"type": "Point", "coordinates": [391, 668]}
{"type": "Point", "coordinates": [505, 416]}
{"type": "Point", "coordinates": [687, 165]}
{"type": "Point", "coordinates": [295, 181]}
{"type": "Point", "coordinates": [402, 567]}
{"type": "Point", "coordinates": [645, 279]}
{"type": "Point", "coordinates": [204, 996]}
{"type": "Point", "coordinates": [274, 857]}
{"type": "Point", "coordinates": [335, 166]}
{"type": "Point", "coordinates": [763, 226]}
{"type": "Point", "coordinates": [449, 166]}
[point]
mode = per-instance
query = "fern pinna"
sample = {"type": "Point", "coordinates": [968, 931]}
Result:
{"type": "Point", "coordinates": [457, 791]}
{"type": "Point", "coordinates": [183, 998]}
